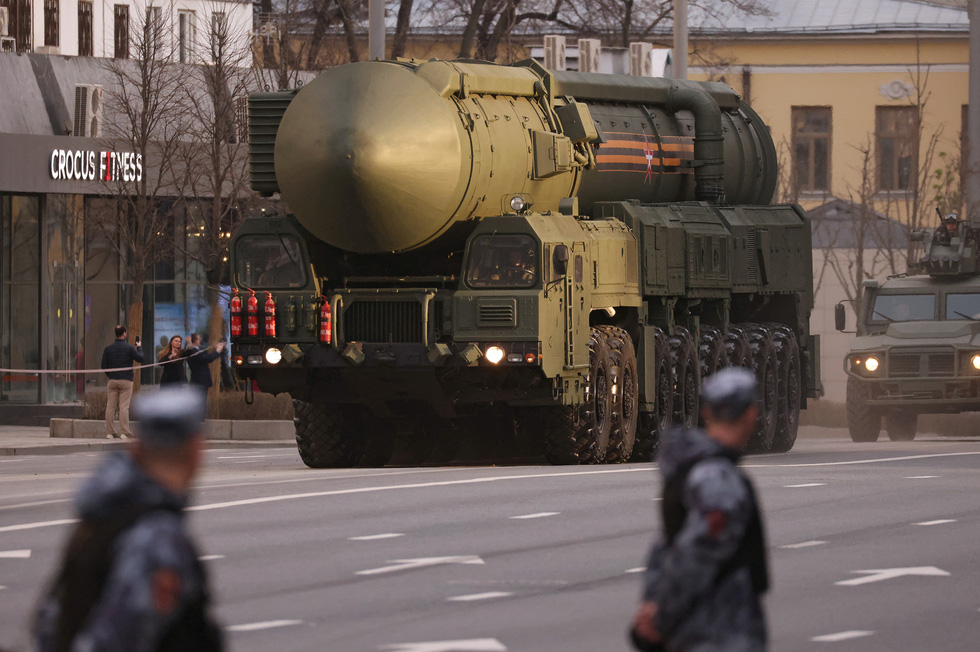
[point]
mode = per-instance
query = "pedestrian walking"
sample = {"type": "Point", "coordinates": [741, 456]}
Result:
{"type": "Point", "coordinates": [198, 360]}
{"type": "Point", "coordinates": [708, 570]}
{"type": "Point", "coordinates": [130, 578]}
{"type": "Point", "coordinates": [119, 389]}
{"type": "Point", "coordinates": [174, 369]}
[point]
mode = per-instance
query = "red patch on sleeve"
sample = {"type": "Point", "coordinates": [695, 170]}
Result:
{"type": "Point", "coordinates": [166, 590]}
{"type": "Point", "coordinates": [716, 523]}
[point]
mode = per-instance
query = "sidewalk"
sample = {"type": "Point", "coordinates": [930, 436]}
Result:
{"type": "Point", "coordinates": [32, 440]}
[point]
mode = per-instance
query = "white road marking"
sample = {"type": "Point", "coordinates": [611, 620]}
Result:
{"type": "Point", "coordinates": [937, 522]}
{"type": "Point", "coordinates": [880, 574]}
{"type": "Point", "coordinates": [920, 477]}
{"type": "Point", "coordinates": [807, 484]}
{"type": "Point", "coordinates": [472, 645]}
{"type": "Point", "coordinates": [210, 557]}
{"type": "Point", "coordinates": [804, 544]}
{"type": "Point", "coordinates": [421, 562]}
{"type": "Point", "coordinates": [479, 596]}
{"type": "Point", "coordinates": [11, 461]}
{"type": "Point", "coordinates": [241, 457]}
{"type": "Point", "coordinates": [15, 554]}
{"type": "Point", "coordinates": [39, 524]}
{"type": "Point", "coordinates": [841, 636]}
{"type": "Point", "coordinates": [375, 537]}
{"type": "Point", "coordinates": [269, 624]}
{"type": "Point", "coordinates": [638, 569]}
{"type": "Point", "coordinates": [536, 515]}
{"type": "Point", "coordinates": [36, 503]}
{"type": "Point", "coordinates": [850, 462]}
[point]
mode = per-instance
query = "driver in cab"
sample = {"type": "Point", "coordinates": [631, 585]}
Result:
{"type": "Point", "coordinates": [517, 267]}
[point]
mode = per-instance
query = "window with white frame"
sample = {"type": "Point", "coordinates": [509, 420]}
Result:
{"type": "Point", "coordinates": [185, 35]}
{"type": "Point", "coordinates": [219, 35]}
{"type": "Point", "coordinates": [154, 18]}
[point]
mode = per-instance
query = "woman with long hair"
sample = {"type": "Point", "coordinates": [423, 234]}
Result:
{"type": "Point", "coordinates": [175, 371]}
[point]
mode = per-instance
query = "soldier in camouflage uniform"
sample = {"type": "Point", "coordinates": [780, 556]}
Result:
{"type": "Point", "coordinates": [708, 570]}
{"type": "Point", "coordinates": [131, 579]}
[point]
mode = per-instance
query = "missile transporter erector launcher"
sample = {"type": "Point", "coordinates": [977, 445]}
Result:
{"type": "Point", "coordinates": [485, 248]}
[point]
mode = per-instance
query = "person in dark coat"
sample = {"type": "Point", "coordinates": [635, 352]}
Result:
{"type": "Point", "coordinates": [130, 577]}
{"type": "Point", "coordinates": [119, 390]}
{"type": "Point", "coordinates": [174, 369]}
{"type": "Point", "coordinates": [198, 360]}
{"type": "Point", "coordinates": [708, 570]}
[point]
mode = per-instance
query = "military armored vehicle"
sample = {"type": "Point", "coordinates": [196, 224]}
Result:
{"type": "Point", "coordinates": [509, 251]}
{"type": "Point", "coordinates": [917, 349]}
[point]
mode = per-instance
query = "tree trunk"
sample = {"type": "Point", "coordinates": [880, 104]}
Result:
{"type": "Point", "coordinates": [401, 29]}
{"type": "Point", "coordinates": [135, 326]}
{"type": "Point", "coordinates": [215, 332]}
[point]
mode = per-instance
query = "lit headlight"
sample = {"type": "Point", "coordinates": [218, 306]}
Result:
{"type": "Point", "coordinates": [494, 354]}
{"type": "Point", "coordinates": [518, 203]}
{"type": "Point", "coordinates": [273, 356]}
{"type": "Point", "coordinates": [871, 364]}
{"type": "Point", "coordinates": [975, 361]}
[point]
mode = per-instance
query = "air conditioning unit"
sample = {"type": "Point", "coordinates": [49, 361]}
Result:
{"type": "Point", "coordinates": [88, 111]}
{"type": "Point", "coordinates": [8, 44]}
{"type": "Point", "coordinates": [589, 54]}
{"type": "Point", "coordinates": [4, 21]}
{"type": "Point", "coordinates": [640, 63]}
{"type": "Point", "coordinates": [554, 52]}
{"type": "Point", "coordinates": [47, 49]}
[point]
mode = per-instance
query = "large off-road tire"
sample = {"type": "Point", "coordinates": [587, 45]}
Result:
{"type": "Point", "coordinates": [737, 349]}
{"type": "Point", "coordinates": [580, 434]}
{"type": "Point", "coordinates": [652, 425]}
{"type": "Point", "coordinates": [863, 422]}
{"type": "Point", "coordinates": [765, 366]}
{"type": "Point", "coordinates": [687, 377]}
{"type": "Point", "coordinates": [901, 426]}
{"type": "Point", "coordinates": [323, 437]}
{"type": "Point", "coordinates": [711, 351]}
{"type": "Point", "coordinates": [625, 399]}
{"type": "Point", "coordinates": [790, 388]}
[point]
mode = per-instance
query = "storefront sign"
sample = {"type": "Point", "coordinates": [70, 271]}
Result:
{"type": "Point", "coordinates": [85, 165]}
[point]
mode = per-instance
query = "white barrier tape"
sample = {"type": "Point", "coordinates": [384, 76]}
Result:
{"type": "Point", "coordinates": [34, 372]}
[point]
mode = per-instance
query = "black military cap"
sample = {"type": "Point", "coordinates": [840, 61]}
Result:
{"type": "Point", "coordinates": [170, 416]}
{"type": "Point", "coordinates": [729, 392]}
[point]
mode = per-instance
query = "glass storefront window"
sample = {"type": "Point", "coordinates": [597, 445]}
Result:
{"type": "Point", "coordinates": [19, 298]}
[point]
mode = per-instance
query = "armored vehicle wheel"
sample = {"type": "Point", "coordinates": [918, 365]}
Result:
{"type": "Point", "coordinates": [901, 426]}
{"type": "Point", "coordinates": [323, 436]}
{"type": "Point", "coordinates": [711, 351]}
{"type": "Point", "coordinates": [765, 366]}
{"type": "Point", "coordinates": [788, 373]}
{"type": "Point", "coordinates": [687, 382]}
{"type": "Point", "coordinates": [625, 397]}
{"type": "Point", "coordinates": [653, 424]}
{"type": "Point", "coordinates": [863, 422]}
{"type": "Point", "coordinates": [580, 434]}
{"type": "Point", "coordinates": [737, 349]}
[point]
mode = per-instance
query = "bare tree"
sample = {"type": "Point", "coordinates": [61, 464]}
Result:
{"type": "Point", "coordinates": [148, 117]}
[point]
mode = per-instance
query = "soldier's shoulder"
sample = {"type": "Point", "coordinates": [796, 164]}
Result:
{"type": "Point", "coordinates": [158, 538]}
{"type": "Point", "coordinates": [717, 483]}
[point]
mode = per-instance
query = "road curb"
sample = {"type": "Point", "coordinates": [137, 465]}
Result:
{"type": "Point", "coordinates": [99, 447]}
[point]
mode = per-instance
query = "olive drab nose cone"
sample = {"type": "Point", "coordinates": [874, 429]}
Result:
{"type": "Point", "coordinates": [371, 159]}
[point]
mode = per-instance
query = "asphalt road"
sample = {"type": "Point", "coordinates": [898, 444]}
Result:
{"type": "Point", "coordinates": [534, 558]}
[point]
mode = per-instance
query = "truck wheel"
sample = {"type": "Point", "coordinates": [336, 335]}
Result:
{"type": "Point", "coordinates": [711, 351]}
{"type": "Point", "coordinates": [580, 434]}
{"type": "Point", "coordinates": [863, 423]}
{"type": "Point", "coordinates": [737, 349]}
{"type": "Point", "coordinates": [622, 434]}
{"type": "Point", "coordinates": [788, 374]}
{"type": "Point", "coordinates": [687, 382]}
{"type": "Point", "coordinates": [765, 366]}
{"type": "Point", "coordinates": [322, 438]}
{"type": "Point", "coordinates": [653, 424]}
{"type": "Point", "coordinates": [901, 426]}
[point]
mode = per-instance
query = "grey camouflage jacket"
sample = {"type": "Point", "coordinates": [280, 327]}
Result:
{"type": "Point", "coordinates": [696, 612]}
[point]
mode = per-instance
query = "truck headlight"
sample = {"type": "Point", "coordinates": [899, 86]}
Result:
{"type": "Point", "coordinates": [871, 364]}
{"type": "Point", "coordinates": [273, 355]}
{"type": "Point", "coordinates": [494, 354]}
{"type": "Point", "coordinates": [975, 361]}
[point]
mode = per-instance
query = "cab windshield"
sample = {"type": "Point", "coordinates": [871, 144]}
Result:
{"type": "Point", "coordinates": [269, 261]}
{"type": "Point", "coordinates": [963, 306]}
{"type": "Point", "coordinates": [903, 307]}
{"type": "Point", "coordinates": [502, 261]}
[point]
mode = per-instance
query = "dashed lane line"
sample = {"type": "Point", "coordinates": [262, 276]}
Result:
{"type": "Point", "coordinates": [638, 569]}
{"type": "Point", "coordinates": [36, 503]}
{"type": "Point", "coordinates": [269, 624]}
{"type": "Point", "coordinates": [878, 460]}
{"type": "Point", "coordinates": [940, 521]}
{"type": "Point", "coordinates": [920, 477]}
{"type": "Point", "coordinates": [803, 544]}
{"type": "Point", "coordinates": [39, 524]}
{"type": "Point", "coordinates": [210, 557]}
{"type": "Point", "coordinates": [376, 537]}
{"type": "Point", "coordinates": [524, 517]}
{"type": "Point", "coordinates": [805, 484]}
{"type": "Point", "coordinates": [473, 597]}
{"type": "Point", "coordinates": [15, 554]}
{"type": "Point", "coordinates": [841, 636]}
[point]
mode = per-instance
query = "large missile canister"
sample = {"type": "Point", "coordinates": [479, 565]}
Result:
{"type": "Point", "coordinates": [383, 156]}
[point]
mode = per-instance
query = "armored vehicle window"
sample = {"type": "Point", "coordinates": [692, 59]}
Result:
{"type": "Point", "coordinates": [498, 261]}
{"type": "Point", "coordinates": [269, 261]}
{"type": "Point", "coordinates": [963, 306]}
{"type": "Point", "coordinates": [903, 307]}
